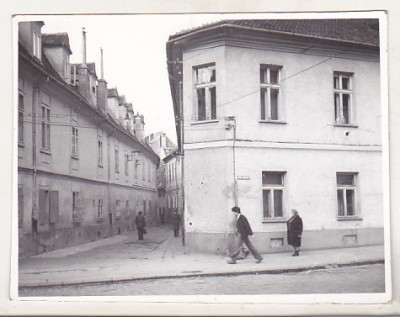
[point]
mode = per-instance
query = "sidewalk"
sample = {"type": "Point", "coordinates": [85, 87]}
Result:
{"type": "Point", "coordinates": [160, 255]}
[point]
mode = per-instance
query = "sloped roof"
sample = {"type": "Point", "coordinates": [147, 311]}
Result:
{"type": "Point", "coordinates": [57, 39]}
{"type": "Point", "coordinates": [90, 66]}
{"type": "Point", "coordinates": [112, 92]}
{"type": "Point", "coordinates": [360, 31]}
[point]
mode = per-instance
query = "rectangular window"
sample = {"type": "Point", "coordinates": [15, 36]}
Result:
{"type": "Point", "coordinates": [270, 87]}
{"type": "Point", "coordinates": [66, 67]}
{"type": "Point", "coordinates": [20, 118]}
{"type": "Point", "coordinates": [149, 172]}
{"type": "Point", "coordinates": [273, 187]}
{"type": "Point", "coordinates": [126, 163]}
{"type": "Point", "coordinates": [144, 207]}
{"type": "Point", "coordinates": [100, 208]}
{"type": "Point", "coordinates": [100, 152]}
{"type": "Point", "coordinates": [53, 197]}
{"type": "Point", "coordinates": [117, 209]}
{"type": "Point", "coordinates": [43, 206]}
{"type": "Point", "coordinates": [37, 45]}
{"type": "Point", "coordinates": [342, 98]}
{"type": "Point", "coordinates": [75, 141]}
{"type": "Point", "coordinates": [144, 171]}
{"type": "Point", "coordinates": [127, 209]}
{"type": "Point", "coordinates": [77, 210]}
{"type": "Point", "coordinates": [136, 167]}
{"type": "Point", "coordinates": [45, 118]}
{"type": "Point", "coordinates": [20, 207]}
{"type": "Point", "coordinates": [346, 189]}
{"type": "Point", "coordinates": [205, 93]}
{"type": "Point", "coordinates": [116, 156]}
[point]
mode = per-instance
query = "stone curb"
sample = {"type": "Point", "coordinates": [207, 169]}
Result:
{"type": "Point", "coordinates": [188, 275]}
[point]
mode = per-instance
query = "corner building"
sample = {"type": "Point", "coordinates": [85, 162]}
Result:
{"type": "Point", "coordinates": [280, 114]}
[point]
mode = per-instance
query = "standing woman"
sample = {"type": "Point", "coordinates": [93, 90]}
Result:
{"type": "Point", "coordinates": [294, 231]}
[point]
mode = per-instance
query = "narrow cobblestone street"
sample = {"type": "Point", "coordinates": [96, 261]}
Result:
{"type": "Point", "coordinates": [355, 279]}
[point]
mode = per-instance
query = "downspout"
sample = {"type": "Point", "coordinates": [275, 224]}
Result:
{"type": "Point", "coordinates": [182, 158]}
{"type": "Point", "coordinates": [35, 113]}
{"type": "Point", "coordinates": [108, 180]}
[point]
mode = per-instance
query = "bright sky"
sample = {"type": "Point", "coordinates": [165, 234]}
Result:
{"type": "Point", "coordinates": [134, 53]}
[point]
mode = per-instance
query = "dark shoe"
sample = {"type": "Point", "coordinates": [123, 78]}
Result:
{"type": "Point", "coordinates": [246, 254]}
{"type": "Point", "coordinates": [231, 261]}
{"type": "Point", "coordinates": [295, 253]}
{"type": "Point", "coordinates": [259, 259]}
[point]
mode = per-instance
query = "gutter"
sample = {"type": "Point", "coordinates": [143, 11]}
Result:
{"type": "Point", "coordinates": [248, 28]}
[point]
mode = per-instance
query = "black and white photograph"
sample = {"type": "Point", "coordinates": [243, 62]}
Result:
{"type": "Point", "coordinates": [163, 156]}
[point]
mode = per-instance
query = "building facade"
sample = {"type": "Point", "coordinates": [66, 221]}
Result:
{"type": "Point", "coordinates": [82, 172]}
{"type": "Point", "coordinates": [161, 144]}
{"type": "Point", "coordinates": [174, 183]}
{"type": "Point", "coordinates": [280, 114]}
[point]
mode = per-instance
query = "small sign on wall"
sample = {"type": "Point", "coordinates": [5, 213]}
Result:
{"type": "Point", "coordinates": [243, 178]}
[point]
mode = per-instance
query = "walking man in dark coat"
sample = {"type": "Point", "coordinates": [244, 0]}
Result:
{"type": "Point", "coordinates": [243, 229]}
{"type": "Point", "coordinates": [176, 222]}
{"type": "Point", "coordinates": [294, 231]}
{"type": "Point", "coordinates": [140, 225]}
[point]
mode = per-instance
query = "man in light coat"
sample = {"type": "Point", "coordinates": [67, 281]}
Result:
{"type": "Point", "coordinates": [243, 229]}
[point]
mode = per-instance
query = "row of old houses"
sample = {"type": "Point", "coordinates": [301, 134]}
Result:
{"type": "Point", "coordinates": [84, 169]}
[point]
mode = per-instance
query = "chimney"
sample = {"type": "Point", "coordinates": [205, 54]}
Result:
{"type": "Point", "coordinates": [139, 126]}
{"type": "Point", "coordinates": [83, 73]}
{"type": "Point", "coordinates": [101, 63]}
{"type": "Point", "coordinates": [102, 88]}
{"type": "Point", "coordinates": [83, 47]}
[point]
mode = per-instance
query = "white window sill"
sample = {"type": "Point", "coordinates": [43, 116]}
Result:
{"type": "Point", "coordinates": [75, 157]}
{"type": "Point", "coordinates": [45, 151]}
{"type": "Point", "coordinates": [273, 121]}
{"type": "Point", "coordinates": [100, 165]}
{"type": "Point", "coordinates": [21, 144]}
{"type": "Point", "coordinates": [99, 219]}
{"type": "Point", "coordinates": [349, 218]}
{"type": "Point", "coordinates": [274, 220]}
{"type": "Point", "coordinates": [204, 122]}
{"type": "Point", "coordinates": [345, 125]}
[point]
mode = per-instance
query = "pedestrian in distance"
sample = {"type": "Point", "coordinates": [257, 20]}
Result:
{"type": "Point", "coordinates": [176, 222]}
{"type": "Point", "coordinates": [294, 231]}
{"type": "Point", "coordinates": [243, 230]}
{"type": "Point", "coordinates": [140, 224]}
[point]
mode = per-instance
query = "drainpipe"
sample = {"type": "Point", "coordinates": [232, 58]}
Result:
{"type": "Point", "coordinates": [35, 113]}
{"type": "Point", "coordinates": [182, 158]}
{"type": "Point", "coordinates": [228, 126]}
{"type": "Point", "coordinates": [108, 180]}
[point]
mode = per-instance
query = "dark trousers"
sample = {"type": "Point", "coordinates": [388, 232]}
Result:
{"type": "Point", "coordinates": [176, 232]}
{"type": "Point", "coordinates": [140, 233]}
{"type": "Point", "coordinates": [249, 245]}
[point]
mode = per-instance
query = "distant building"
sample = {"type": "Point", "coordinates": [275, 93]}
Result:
{"type": "Point", "coordinates": [275, 115]}
{"type": "Point", "coordinates": [82, 172]}
{"type": "Point", "coordinates": [174, 185]}
{"type": "Point", "coordinates": [161, 145]}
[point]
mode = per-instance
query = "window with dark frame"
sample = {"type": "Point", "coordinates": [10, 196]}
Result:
{"type": "Point", "coordinates": [270, 88]}
{"type": "Point", "coordinates": [100, 208]}
{"type": "Point", "coordinates": [45, 118]}
{"type": "Point", "coordinates": [20, 118]}
{"type": "Point", "coordinates": [37, 45]}
{"type": "Point", "coordinates": [346, 188]}
{"type": "Point", "coordinates": [75, 141]}
{"type": "Point", "coordinates": [342, 86]}
{"type": "Point", "coordinates": [100, 152]}
{"type": "Point", "coordinates": [272, 188]}
{"type": "Point", "coordinates": [116, 157]}
{"type": "Point", "coordinates": [205, 92]}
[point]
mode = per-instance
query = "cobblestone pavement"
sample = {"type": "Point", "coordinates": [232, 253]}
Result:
{"type": "Point", "coordinates": [352, 279]}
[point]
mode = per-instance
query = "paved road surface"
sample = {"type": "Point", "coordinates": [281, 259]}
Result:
{"type": "Point", "coordinates": [353, 279]}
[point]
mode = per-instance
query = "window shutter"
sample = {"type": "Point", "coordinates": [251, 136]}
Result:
{"type": "Point", "coordinates": [53, 206]}
{"type": "Point", "coordinates": [42, 207]}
